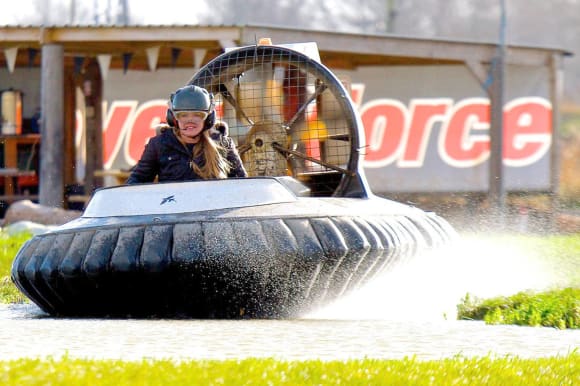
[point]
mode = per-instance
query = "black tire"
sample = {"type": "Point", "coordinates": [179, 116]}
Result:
{"type": "Point", "coordinates": [251, 267]}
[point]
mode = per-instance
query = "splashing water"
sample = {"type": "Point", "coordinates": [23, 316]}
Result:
{"type": "Point", "coordinates": [434, 283]}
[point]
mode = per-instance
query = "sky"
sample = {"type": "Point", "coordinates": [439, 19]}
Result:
{"type": "Point", "coordinates": [11, 10]}
{"type": "Point", "coordinates": [48, 12]}
{"type": "Point", "coordinates": [54, 11]}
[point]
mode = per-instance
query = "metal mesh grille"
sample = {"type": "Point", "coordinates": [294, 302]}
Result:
{"type": "Point", "coordinates": [287, 114]}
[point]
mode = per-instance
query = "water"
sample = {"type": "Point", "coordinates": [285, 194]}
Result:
{"type": "Point", "coordinates": [409, 312]}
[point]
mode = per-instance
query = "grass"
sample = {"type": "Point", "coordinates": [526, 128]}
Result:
{"type": "Point", "coordinates": [562, 252]}
{"type": "Point", "coordinates": [9, 246]}
{"type": "Point", "coordinates": [560, 370]}
{"type": "Point", "coordinates": [556, 308]}
{"type": "Point", "coordinates": [559, 307]}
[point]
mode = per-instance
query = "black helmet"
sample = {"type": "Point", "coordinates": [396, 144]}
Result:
{"type": "Point", "coordinates": [192, 98]}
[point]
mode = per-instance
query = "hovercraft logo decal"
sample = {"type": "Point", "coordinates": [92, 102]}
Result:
{"type": "Point", "coordinates": [168, 199]}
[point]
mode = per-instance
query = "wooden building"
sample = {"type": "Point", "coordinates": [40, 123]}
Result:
{"type": "Point", "coordinates": [57, 49]}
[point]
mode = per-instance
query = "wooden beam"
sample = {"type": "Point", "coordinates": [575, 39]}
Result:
{"type": "Point", "coordinates": [478, 70]}
{"type": "Point", "coordinates": [14, 35]}
{"type": "Point", "coordinates": [388, 45]}
{"type": "Point", "coordinates": [140, 34]}
{"type": "Point", "coordinates": [119, 38]}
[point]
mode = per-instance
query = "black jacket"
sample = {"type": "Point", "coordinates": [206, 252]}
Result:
{"type": "Point", "coordinates": [169, 160]}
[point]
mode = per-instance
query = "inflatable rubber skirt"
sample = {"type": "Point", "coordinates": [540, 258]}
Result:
{"type": "Point", "coordinates": [218, 249]}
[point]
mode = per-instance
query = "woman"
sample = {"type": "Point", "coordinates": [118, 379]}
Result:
{"type": "Point", "coordinates": [187, 149]}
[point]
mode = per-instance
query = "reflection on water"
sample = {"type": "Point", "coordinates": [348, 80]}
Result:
{"type": "Point", "coordinates": [408, 312]}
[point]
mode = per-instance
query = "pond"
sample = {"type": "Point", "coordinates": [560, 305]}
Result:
{"type": "Point", "coordinates": [410, 311]}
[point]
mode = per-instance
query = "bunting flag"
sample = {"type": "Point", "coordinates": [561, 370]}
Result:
{"type": "Point", "coordinates": [198, 56]}
{"type": "Point", "coordinates": [127, 56]}
{"type": "Point", "coordinates": [104, 64]}
{"type": "Point", "coordinates": [32, 53]}
{"type": "Point", "coordinates": [10, 54]}
{"type": "Point", "coordinates": [78, 64]}
{"type": "Point", "coordinates": [152, 57]}
{"type": "Point", "coordinates": [175, 52]}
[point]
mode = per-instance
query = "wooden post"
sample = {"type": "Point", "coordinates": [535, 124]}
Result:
{"type": "Point", "coordinates": [92, 90]}
{"type": "Point", "coordinates": [51, 182]}
{"type": "Point", "coordinates": [556, 85]}
{"type": "Point", "coordinates": [497, 191]}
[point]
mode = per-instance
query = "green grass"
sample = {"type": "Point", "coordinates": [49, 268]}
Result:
{"type": "Point", "coordinates": [555, 308]}
{"type": "Point", "coordinates": [558, 307]}
{"type": "Point", "coordinates": [562, 252]}
{"type": "Point", "coordinates": [9, 246]}
{"type": "Point", "coordinates": [560, 370]}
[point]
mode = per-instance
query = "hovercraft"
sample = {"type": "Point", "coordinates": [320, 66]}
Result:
{"type": "Point", "coordinates": [302, 231]}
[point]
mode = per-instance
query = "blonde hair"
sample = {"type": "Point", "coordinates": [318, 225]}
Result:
{"type": "Point", "coordinates": [216, 164]}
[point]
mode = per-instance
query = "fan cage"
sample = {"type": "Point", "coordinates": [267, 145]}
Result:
{"type": "Point", "coordinates": [288, 115]}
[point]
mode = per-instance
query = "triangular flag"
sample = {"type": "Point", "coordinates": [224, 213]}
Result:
{"type": "Point", "coordinates": [198, 56]}
{"type": "Point", "coordinates": [104, 63]}
{"type": "Point", "coordinates": [10, 54]}
{"type": "Point", "coordinates": [174, 56]}
{"type": "Point", "coordinates": [32, 52]}
{"type": "Point", "coordinates": [78, 64]}
{"type": "Point", "coordinates": [127, 56]}
{"type": "Point", "coordinates": [152, 56]}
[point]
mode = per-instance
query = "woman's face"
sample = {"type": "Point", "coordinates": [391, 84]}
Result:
{"type": "Point", "coordinates": [190, 124]}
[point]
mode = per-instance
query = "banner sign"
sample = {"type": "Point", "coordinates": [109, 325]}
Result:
{"type": "Point", "coordinates": [413, 144]}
